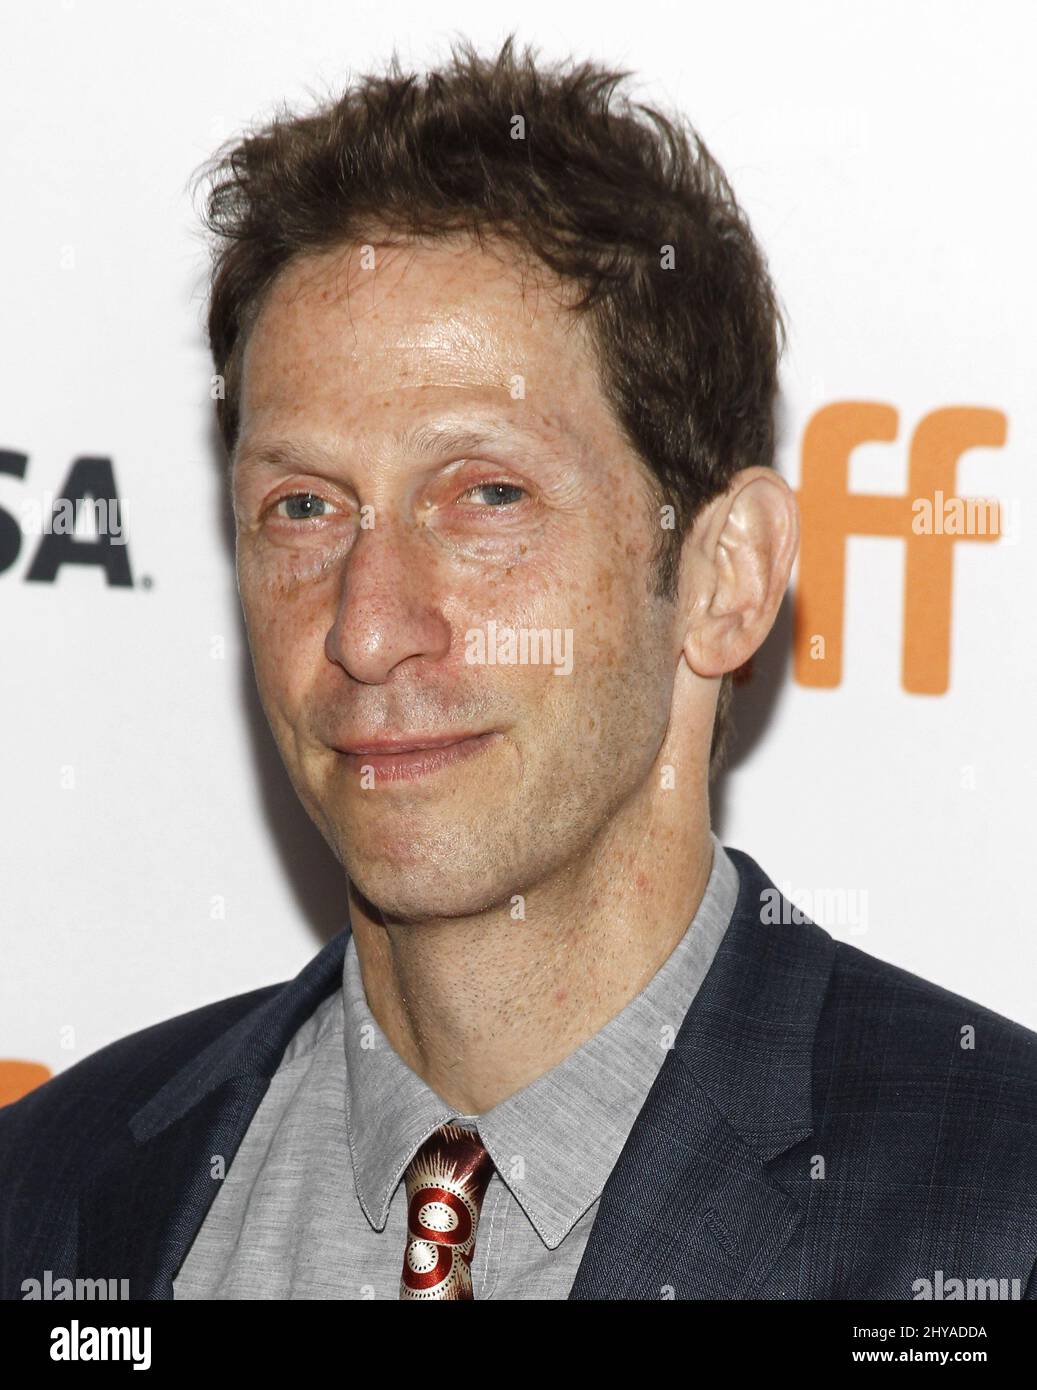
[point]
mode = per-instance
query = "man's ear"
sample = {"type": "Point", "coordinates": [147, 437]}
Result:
{"type": "Point", "coordinates": [736, 569]}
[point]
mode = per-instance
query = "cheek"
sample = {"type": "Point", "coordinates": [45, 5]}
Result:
{"type": "Point", "coordinates": [622, 665]}
{"type": "Point", "coordinates": [286, 631]}
{"type": "Point", "coordinates": [609, 613]}
{"type": "Point", "coordinates": [595, 615]}
{"type": "Point", "coordinates": [278, 570]}
{"type": "Point", "coordinates": [617, 647]}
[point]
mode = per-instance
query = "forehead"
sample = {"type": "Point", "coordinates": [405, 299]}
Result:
{"type": "Point", "coordinates": [416, 324]}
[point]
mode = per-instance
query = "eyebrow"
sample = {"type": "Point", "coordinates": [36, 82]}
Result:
{"type": "Point", "coordinates": [427, 441]}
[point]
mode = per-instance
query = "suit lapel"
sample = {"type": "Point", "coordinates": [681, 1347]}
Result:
{"type": "Point", "coordinates": [690, 1211]}
{"type": "Point", "coordinates": [142, 1209]}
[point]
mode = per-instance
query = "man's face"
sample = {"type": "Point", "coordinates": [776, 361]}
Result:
{"type": "Point", "coordinates": [425, 459]}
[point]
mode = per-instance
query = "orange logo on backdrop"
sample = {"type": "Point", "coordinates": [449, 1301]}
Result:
{"type": "Point", "coordinates": [18, 1078]}
{"type": "Point", "coordinates": [830, 513]}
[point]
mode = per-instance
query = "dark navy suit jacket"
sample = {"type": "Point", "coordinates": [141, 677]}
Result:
{"type": "Point", "coordinates": [818, 1131]}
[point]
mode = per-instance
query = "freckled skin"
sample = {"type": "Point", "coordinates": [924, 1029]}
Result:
{"type": "Point", "coordinates": [356, 632]}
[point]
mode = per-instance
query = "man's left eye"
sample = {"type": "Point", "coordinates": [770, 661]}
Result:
{"type": "Point", "coordinates": [307, 504]}
{"type": "Point", "coordinates": [499, 493]}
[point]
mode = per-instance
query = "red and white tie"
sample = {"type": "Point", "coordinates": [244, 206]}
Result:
{"type": "Point", "coordinates": [446, 1181]}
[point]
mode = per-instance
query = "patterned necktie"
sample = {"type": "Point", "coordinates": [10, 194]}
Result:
{"type": "Point", "coordinates": [446, 1182]}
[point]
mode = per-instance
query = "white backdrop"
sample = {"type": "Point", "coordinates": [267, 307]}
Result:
{"type": "Point", "coordinates": [154, 856]}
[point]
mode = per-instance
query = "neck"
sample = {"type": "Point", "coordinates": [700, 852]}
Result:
{"type": "Point", "coordinates": [480, 1006]}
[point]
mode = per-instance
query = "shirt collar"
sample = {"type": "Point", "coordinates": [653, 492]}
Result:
{"type": "Point", "coordinates": [554, 1142]}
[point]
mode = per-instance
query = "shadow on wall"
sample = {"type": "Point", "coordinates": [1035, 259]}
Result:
{"type": "Point", "coordinates": [754, 705]}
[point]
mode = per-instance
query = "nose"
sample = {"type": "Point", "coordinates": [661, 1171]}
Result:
{"type": "Point", "coordinates": [387, 611]}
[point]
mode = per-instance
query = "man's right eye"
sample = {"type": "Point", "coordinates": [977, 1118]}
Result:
{"type": "Point", "coordinates": [301, 506]}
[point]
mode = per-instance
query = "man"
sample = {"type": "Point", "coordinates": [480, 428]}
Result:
{"type": "Point", "coordinates": [499, 357]}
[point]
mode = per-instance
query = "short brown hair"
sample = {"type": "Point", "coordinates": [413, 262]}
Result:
{"type": "Point", "coordinates": [618, 199]}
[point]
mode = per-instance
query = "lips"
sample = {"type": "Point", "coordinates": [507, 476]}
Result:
{"type": "Point", "coordinates": [412, 759]}
{"type": "Point", "coordinates": [388, 746]}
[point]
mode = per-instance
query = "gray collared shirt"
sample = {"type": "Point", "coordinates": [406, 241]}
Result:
{"type": "Point", "coordinates": [313, 1205]}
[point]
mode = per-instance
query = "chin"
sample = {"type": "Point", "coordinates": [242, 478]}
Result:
{"type": "Point", "coordinates": [419, 889]}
